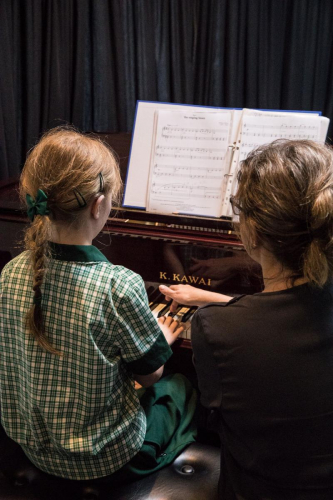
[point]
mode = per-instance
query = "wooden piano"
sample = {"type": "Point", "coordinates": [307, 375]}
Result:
{"type": "Point", "coordinates": [162, 249]}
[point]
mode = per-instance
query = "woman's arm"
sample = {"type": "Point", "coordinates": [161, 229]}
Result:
{"type": "Point", "coordinates": [190, 296]}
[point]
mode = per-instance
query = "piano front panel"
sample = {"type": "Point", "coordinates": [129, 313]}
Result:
{"type": "Point", "coordinates": [223, 267]}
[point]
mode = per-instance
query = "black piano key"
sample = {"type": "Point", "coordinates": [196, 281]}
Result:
{"type": "Point", "coordinates": [172, 314]}
{"type": "Point", "coordinates": [189, 313]}
{"type": "Point", "coordinates": [181, 310]}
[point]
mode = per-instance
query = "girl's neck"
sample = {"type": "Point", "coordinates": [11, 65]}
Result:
{"type": "Point", "coordinates": [70, 236]}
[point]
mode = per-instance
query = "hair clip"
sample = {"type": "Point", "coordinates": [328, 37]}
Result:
{"type": "Point", "coordinates": [79, 198]}
{"type": "Point", "coordinates": [101, 182]}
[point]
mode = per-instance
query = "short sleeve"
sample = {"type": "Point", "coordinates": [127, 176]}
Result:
{"type": "Point", "coordinates": [142, 344]}
{"type": "Point", "coordinates": [209, 379]}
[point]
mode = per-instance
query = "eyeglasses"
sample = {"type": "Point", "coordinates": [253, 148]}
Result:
{"type": "Point", "coordinates": [236, 209]}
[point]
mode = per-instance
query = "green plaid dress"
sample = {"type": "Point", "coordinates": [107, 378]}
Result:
{"type": "Point", "coordinates": [77, 416]}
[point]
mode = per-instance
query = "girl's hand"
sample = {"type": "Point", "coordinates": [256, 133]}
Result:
{"type": "Point", "coordinates": [170, 328]}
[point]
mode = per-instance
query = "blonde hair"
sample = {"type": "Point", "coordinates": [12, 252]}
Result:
{"type": "Point", "coordinates": [285, 193]}
{"type": "Point", "coordinates": [71, 169]}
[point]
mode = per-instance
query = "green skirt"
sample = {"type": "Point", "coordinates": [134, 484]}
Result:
{"type": "Point", "coordinates": [169, 406]}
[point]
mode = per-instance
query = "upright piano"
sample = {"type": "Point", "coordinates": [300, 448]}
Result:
{"type": "Point", "coordinates": [163, 249]}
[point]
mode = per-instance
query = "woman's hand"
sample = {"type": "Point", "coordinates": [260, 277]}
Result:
{"type": "Point", "coordinates": [182, 294]}
{"type": "Point", "coordinates": [170, 328]}
{"type": "Point", "coordinates": [188, 295]}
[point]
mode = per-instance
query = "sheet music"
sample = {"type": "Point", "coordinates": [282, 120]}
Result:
{"type": "Point", "coordinates": [263, 127]}
{"type": "Point", "coordinates": [188, 162]}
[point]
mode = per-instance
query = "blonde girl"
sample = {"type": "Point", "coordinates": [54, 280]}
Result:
{"type": "Point", "coordinates": [76, 331]}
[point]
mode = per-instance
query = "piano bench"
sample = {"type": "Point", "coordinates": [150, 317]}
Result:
{"type": "Point", "coordinates": [193, 476]}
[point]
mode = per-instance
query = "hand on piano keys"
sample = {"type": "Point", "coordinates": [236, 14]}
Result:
{"type": "Point", "coordinates": [190, 296]}
{"type": "Point", "coordinates": [170, 327]}
{"type": "Point", "coordinates": [182, 314]}
{"type": "Point", "coordinates": [186, 295]}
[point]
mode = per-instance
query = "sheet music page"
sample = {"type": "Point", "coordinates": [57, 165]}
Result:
{"type": "Point", "coordinates": [188, 162]}
{"type": "Point", "coordinates": [263, 127]}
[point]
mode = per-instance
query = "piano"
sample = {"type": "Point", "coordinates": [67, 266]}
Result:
{"type": "Point", "coordinates": [164, 249]}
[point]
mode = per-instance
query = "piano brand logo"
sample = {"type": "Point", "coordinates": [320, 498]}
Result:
{"type": "Point", "coordinates": [195, 280]}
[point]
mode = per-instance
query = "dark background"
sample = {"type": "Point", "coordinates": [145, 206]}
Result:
{"type": "Point", "coordinates": [86, 62]}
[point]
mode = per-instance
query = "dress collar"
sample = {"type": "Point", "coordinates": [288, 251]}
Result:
{"type": "Point", "coordinates": [76, 253]}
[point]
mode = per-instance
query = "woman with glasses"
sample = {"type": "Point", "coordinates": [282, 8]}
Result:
{"type": "Point", "coordinates": [265, 361]}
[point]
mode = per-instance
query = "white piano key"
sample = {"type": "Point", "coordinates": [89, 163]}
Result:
{"type": "Point", "coordinates": [157, 310]}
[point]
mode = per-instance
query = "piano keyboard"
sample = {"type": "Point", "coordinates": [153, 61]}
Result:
{"type": "Point", "coordinates": [202, 229]}
{"type": "Point", "coordinates": [159, 308]}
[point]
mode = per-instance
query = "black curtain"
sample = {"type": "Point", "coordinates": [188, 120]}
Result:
{"type": "Point", "coordinates": [86, 62]}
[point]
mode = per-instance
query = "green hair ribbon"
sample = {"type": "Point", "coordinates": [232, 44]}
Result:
{"type": "Point", "coordinates": [37, 206]}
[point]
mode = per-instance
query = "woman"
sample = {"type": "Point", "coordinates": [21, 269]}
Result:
{"type": "Point", "coordinates": [265, 362]}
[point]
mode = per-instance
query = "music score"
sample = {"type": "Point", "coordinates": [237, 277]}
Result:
{"type": "Point", "coordinates": [188, 155]}
{"type": "Point", "coordinates": [187, 172]}
{"type": "Point", "coordinates": [185, 158]}
{"type": "Point", "coordinates": [273, 127]}
{"type": "Point", "coordinates": [175, 189]}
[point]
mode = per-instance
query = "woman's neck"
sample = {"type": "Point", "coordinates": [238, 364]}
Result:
{"type": "Point", "coordinates": [276, 277]}
{"type": "Point", "coordinates": [278, 282]}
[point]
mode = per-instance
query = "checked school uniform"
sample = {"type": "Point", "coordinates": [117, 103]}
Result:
{"type": "Point", "coordinates": [79, 416]}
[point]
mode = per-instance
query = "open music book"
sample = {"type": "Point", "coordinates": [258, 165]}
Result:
{"type": "Point", "coordinates": [184, 158]}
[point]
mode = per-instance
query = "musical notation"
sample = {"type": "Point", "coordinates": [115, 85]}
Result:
{"type": "Point", "coordinates": [160, 147]}
{"type": "Point", "coordinates": [283, 127]}
{"type": "Point", "coordinates": [175, 152]}
{"type": "Point", "coordinates": [174, 189]}
{"type": "Point", "coordinates": [183, 130]}
{"type": "Point", "coordinates": [259, 128]}
{"type": "Point", "coordinates": [185, 152]}
{"type": "Point", "coordinates": [194, 137]}
{"type": "Point", "coordinates": [187, 172]}
{"type": "Point", "coordinates": [190, 157]}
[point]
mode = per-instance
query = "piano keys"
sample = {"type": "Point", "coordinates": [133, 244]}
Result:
{"type": "Point", "coordinates": [184, 314]}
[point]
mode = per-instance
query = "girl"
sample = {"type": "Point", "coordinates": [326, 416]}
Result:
{"type": "Point", "coordinates": [265, 362]}
{"type": "Point", "coordinates": [76, 332]}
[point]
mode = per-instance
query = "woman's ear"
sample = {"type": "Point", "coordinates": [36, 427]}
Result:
{"type": "Point", "coordinates": [96, 207]}
{"type": "Point", "coordinates": [248, 235]}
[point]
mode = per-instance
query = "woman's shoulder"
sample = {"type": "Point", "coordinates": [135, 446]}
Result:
{"type": "Point", "coordinates": [303, 304]}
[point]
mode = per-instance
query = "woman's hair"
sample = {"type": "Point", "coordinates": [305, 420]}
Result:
{"type": "Point", "coordinates": [285, 197]}
{"type": "Point", "coordinates": [71, 169]}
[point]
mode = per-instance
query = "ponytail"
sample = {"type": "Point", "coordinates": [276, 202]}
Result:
{"type": "Point", "coordinates": [318, 256]}
{"type": "Point", "coordinates": [36, 240]}
{"type": "Point", "coordinates": [315, 267]}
